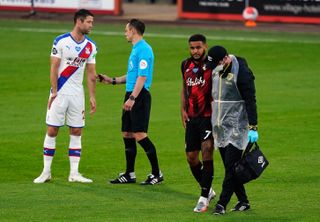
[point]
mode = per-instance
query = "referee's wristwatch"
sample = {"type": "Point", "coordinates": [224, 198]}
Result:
{"type": "Point", "coordinates": [253, 127]}
{"type": "Point", "coordinates": [131, 97]}
{"type": "Point", "coordinates": [114, 81]}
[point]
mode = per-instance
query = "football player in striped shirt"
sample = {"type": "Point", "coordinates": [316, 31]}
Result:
{"type": "Point", "coordinates": [196, 118]}
{"type": "Point", "coordinates": [72, 53]}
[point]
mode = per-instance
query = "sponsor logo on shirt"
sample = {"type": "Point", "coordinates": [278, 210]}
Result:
{"type": "Point", "coordinates": [77, 62]}
{"type": "Point", "coordinates": [195, 82]}
{"type": "Point", "coordinates": [143, 64]}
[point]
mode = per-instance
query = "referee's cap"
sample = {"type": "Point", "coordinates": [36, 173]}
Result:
{"type": "Point", "coordinates": [215, 55]}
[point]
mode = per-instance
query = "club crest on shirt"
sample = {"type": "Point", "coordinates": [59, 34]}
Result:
{"type": "Point", "coordinates": [143, 64]}
{"type": "Point", "coordinates": [78, 48]}
{"type": "Point", "coordinates": [195, 70]}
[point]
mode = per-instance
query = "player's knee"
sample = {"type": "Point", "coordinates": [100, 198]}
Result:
{"type": "Point", "coordinates": [192, 158]}
{"type": "Point", "coordinates": [52, 131]}
{"type": "Point", "coordinates": [193, 162]}
{"type": "Point", "coordinates": [140, 136]}
{"type": "Point", "coordinates": [127, 135]}
{"type": "Point", "coordinates": [75, 131]}
{"type": "Point", "coordinates": [207, 150]}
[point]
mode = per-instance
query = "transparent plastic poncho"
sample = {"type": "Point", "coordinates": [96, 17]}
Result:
{"type": "Point", "coordinates": [229, 117]}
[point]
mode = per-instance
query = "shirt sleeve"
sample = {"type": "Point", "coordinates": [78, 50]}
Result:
{"type": "Point", "coordinates": [56, 50]}
{"type": "Point", "coordinates": [92, 57]}
{"type": "Point", "coordinates": [246, 86]}
{"type": "Point", "coordinates": [182, 67]}
{"type": "Point", "coordinates": [144, 62]}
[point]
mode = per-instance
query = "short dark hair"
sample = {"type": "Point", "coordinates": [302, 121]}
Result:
{"type": "Point", "coordinates": [82, 14]}
{"type": "Point", "coordinates": [138, 25]}
{"type": "Point", "coordinates": [198, 37]}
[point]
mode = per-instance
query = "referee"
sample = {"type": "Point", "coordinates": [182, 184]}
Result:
{"type": "Point", "coordinates": [137, 105]}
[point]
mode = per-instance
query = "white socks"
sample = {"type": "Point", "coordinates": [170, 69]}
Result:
{"type": "Point", "coordinates": [49, 148]}
{"type": "Point", "coordinates": [74, 153]}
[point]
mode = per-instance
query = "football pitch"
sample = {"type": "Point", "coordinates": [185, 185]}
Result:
{"type": "Point", "coordinates": [286, 67]}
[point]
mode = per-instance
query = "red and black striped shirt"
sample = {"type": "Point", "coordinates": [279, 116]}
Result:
{"type": "Point", "coordinates": [197, 85]}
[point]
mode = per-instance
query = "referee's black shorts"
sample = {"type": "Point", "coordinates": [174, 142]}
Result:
{"type": "Point", "coordinates": [137, 120]}
{"type": "Point", "coordinates": [198, 129]}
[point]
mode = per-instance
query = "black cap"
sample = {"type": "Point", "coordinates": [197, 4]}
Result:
{"type": "Point", "coordinates": [215, 55]}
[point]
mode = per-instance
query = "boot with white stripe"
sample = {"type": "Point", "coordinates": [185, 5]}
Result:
{"type": "Point", "coordinates": [152, 179]}
{"type": "Point", "coordinates": [124, 178]}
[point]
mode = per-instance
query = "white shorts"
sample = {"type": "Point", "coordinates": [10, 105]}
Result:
{"type": "Point", "coordinates": [66, 106]}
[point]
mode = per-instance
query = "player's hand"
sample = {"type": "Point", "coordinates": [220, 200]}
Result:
{"type": "Point", "coordinates": [184, 118]}
{"type": "Point", "coordinates": [104, 79]}
{"type": "Point", "coordinates": [51, 99]}
{"type": "Point", "coordinates": [92, 105]}
{"type": "Point", "coordinates": [253, 136]}
{"type": "Point", "coordinates": [127, 106]}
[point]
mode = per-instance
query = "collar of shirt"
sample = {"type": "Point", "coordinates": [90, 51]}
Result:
{"type": "Point", "coordinates": [138, 43]}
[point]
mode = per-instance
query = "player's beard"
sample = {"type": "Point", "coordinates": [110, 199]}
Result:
{"type": "Point", "coordinates": [85, 31]}
{"type": "Point", "coordinates": [200, 58]}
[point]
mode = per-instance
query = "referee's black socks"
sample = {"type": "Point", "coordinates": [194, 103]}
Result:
{"type": "Point", "coordinates": [131, 152]}
{"type": "Point", "coordinates": [151, 152]}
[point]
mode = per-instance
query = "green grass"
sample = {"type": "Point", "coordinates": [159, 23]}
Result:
{"type": "Point", "coordinates": [287, 81]}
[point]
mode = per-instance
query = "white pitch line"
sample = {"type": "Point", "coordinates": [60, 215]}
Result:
{"type": "Point", "coordinates": [174, 36]}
